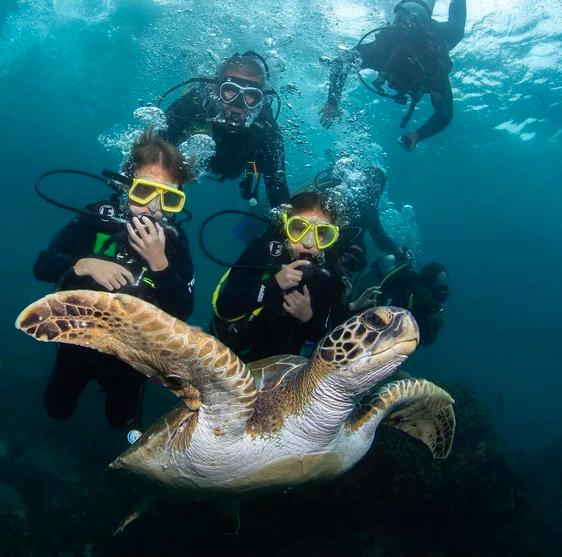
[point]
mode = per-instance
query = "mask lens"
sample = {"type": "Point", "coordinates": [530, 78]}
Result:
{"type": "Point", "coordinates": [143, 192]}
{"type": "Point", "coordinates": [297, 228]}
{"type": "Point", "coordinates": [172, 201]}
{"type": "Point", "coordinates": [325, 235]}
{"type": "Point", "coordinates": [229, 91]}
{"type": "Point", "coordinates": [252, 97]}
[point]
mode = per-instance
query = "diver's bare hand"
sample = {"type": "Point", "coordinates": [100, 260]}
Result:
{"type": "Point", "coordinates": [328, 113]}
{"type": "Point", "coordinates": [149, 240]}
{"type": "Point", "coordinates": [107, 273]}
{"type": "Point", "coordinates": [367, 300]}
{"type": "Point", "coordinates": [298, 305]}
{"type": "Point", "coordinates": [290, 276]}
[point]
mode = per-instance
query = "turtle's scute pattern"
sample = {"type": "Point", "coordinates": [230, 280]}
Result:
{"type": "Point", "coordinates": [194, 365]}
{"type": "Point", "coordinates": [279, 422]}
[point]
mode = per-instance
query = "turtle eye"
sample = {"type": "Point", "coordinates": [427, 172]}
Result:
{"type": "Point", "coordinates": [374, 321]}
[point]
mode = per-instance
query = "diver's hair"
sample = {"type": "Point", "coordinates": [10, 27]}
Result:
{"type": "Point", "coordinates": [429, 272]}
{"type": "Point", "coordinates": [310, 201]}
{"type": "Point", "coordinates": [247, 65]}
{"type": "Point", "coordinates": [150, 149]}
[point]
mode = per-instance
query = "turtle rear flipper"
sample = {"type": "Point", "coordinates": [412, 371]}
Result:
{"type": "Point", "coordinates": [134, 514]}
{"type": "Point", "coordinates": [196, 367]}
{"type": "Point", "coordinates": [415, 406]}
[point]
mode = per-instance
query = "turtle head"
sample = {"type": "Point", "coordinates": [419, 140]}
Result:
{"type": "Point", "coordinates": [367, 348]}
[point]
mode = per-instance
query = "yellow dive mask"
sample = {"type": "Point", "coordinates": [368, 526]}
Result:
{"type": "Point", "coordinates": [310, 231]}
{"type": "Point", "coordinates": [144, 191]}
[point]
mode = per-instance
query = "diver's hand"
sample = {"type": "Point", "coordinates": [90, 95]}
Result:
{"type": "Point", "coordinates": [404, 254]}
{"type": "Point", "coordinates": [409, 141]}
{"type": "Point", "coordinates": [290, 276]}
{"type": "Point", "coordinates": [149, 241]}
{"type": "Point", "coordinates": [436, 321]}
{"type": "Point", "coordinates": [328, 113]}
{"type": "Point", "coordinates": [367, 300]}
{"type": "Point", "coordinates": [107, 273]}
{"type": "Point", "coordinates": [298, 305]}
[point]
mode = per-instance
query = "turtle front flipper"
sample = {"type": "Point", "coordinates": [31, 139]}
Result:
{"type": "Point", "coordinates": [192, 364]}
{"type": "Point", "coordinates": [417, 407]}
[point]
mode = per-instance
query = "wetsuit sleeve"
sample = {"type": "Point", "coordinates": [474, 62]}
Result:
{"type": "Point", "coordinates": [66, 248]}
{"type": "Point", "coordinates": [271, 164]}
{"type": "Point", "coordinates": [452, 31]}
{"type": "Point", "coordinates": [177, 116]}
{"type": "Point", "coordinates": [340, 70]}
{"type": "Point", "coordinates": [382, 240]}
{"type": "Point", "coordinates": [371, 55]}
{"type": "Point", "coordinates": [246, 289]}
{"type": "Point", "coordinates": [175, 284]}
{"type": "Point", "coordinates": [442, 101]}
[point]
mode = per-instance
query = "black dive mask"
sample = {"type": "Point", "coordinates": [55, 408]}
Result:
{"type": "Point", "coordinates": [439, 292]}
{"type": "Point", "coordinates": [241, 93]}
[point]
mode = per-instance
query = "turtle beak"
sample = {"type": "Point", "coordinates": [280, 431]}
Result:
{"type": "Point", "coordinates": [407, 347]}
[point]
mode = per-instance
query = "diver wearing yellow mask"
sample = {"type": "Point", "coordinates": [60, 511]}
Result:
{"type": "Point", "coordinates": [278, 297]}
{"type": "Point", "coordinates": [127, 243]}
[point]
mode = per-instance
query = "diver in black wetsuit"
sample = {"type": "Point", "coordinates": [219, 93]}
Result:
{"type": "Point", "coordinates": [262, 312]}
{"type": "Point", "coordinates": [234, 111]}
{"type": "Point", "coordinates": [421, 293]}
{"type": "Point", "coordinates": [412, 55]}
{"type": "Point", "coordinates": [362, 208]}
{"type": "Point", "coordinates": [146, 258]}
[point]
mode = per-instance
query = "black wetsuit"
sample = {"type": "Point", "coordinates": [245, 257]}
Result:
{"type": "Point", "coordinates": [262, 142]}
{"type": "Point", "coordinates": [412, 64]}
{"type": "Point", "coordinates": [362, 209]}
{"type": "Point", "coordinates": [170, 290]}
{"type": "Point", "coordinates": [272, 331]}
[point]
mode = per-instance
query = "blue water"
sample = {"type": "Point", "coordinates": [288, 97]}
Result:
{"type": "Point", "coordinates": [485, 192]}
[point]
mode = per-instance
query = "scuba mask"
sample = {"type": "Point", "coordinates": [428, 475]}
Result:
{"type": "Point", "coordinates": [240, 93]}
{"type": "Point", "coordinates": [147, 192]}
{"type": "Point", "coordinates": [439, 292]}
{"type": "Point", "coordinates": [244, 95]}
{"type": "Point", "coordinates": [310, 231]}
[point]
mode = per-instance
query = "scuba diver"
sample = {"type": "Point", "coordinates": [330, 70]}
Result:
{"type": "Point", "coordinates": [362, 208]}
{"type": "Point", "coordinates": [235, 111]}
{"type": "Point", "coordinates": [277, 298]}
{"type": "Point", "coordinates": [127, 244]}
{"type": "Point", "coordinates": [412, 56]}
{"type": "Point", "coordinates": [423, 293]}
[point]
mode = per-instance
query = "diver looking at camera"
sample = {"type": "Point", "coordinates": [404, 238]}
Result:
{"type": "Point", "coordinates": [234, 109]}
{"type": "Point", "coordinates": [131, 246]}
{"type": "Point", "coordinates": [278, 297]}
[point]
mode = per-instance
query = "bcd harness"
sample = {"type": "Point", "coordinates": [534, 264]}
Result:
{"type": "Point", "coordinates": [241, 323]}
{"type": "Point", "coordinates": [414, 61]}
{"type": "Point", "coordinates": [201, 125]}
{"type": "Point", "coordinates": [392, 273]}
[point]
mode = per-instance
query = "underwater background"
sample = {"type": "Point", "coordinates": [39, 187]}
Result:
{"type": "Point", "coordinates": [483, 197]}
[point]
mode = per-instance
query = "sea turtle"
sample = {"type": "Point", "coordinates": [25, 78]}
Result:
{"type": "Point", "coordinates": [241, 430]}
